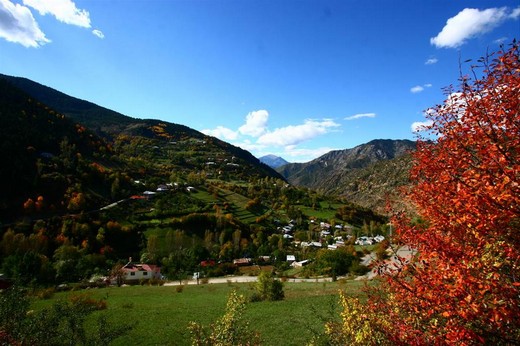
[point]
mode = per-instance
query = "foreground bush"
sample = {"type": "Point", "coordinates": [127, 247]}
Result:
{"type": "Point", "coordinates": [61, 324]}
{"type": "Point", "coordinates": [230, 329]}
{"type": "Point", "coordinates": [358, 326]}
{"type": "Point", "coordinates": [268, 288]}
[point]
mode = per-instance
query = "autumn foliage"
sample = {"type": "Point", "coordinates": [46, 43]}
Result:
{"type": "Point", "coordinates": [463, 287]}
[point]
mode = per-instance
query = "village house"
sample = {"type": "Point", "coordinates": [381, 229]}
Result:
{"type": "Point", "coordinates": [242, 261]}
{"type": "Point", "coordinates": [135, 272]}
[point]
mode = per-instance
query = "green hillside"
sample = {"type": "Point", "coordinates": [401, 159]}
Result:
{"type": "Point", "coordinates": [77, 201]}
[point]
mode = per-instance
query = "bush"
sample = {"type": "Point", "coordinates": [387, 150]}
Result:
{"type": "Point", "coordinates": [85, 302]}
{"type": "Point", "coordinates": [63, 323]}
{"type": "Point", "coordinates": [230, 329]}
{"type": "Point", "coordinates": [358, 269]}
{"type": "Point", "coordinates": [45, 293]}
{"type": "Point", "coordinates": [268, 288]}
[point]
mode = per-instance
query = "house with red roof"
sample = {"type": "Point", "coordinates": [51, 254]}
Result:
{"type": "Point", "coordinates": [136, 271]}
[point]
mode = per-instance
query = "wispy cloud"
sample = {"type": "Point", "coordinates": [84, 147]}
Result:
{"type": "Point", "coordinates": [416, 89]}
{"type": "Point", "coordinates": [222, 133]}
{"type": "Point", "coordinates": [361, 115]}
{"type": "Point", "coordinates": [64, 11]}
{"type": "Point", "coordinates": [470, 23]}
{"type": "Point", "coordinates": [295, 134]}
{"type": "Point", "coordinates": [255, 136]}
{"type": "Point", "coordinates": [256, 123]}
{"type": "Point", "coordinates": [18, 25]}
{"type": "Point", "coordinates": [295, 154]}
{"type": "Point", "coordinates": [419, 88]}
{"type": "Point", "coordinates": [500, 40]}
{"type": "Point", "coordinates": [98, 33]}
{"type": "Point", "coordinates": [431, 61]}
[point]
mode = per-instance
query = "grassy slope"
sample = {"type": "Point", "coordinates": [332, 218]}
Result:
{"type": "Point", "coordinates": [162, 314]}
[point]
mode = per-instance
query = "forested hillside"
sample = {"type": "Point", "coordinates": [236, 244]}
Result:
{"type": "Point", "coordinates": [77, 201]}
{"type": "Point", "coordinates": [49, 162]}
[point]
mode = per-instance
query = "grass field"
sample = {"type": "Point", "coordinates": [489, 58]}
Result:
{"type": "Point", "coordinates": [160, 314]}
{"type": "Point", "coordinates": [327, 211]}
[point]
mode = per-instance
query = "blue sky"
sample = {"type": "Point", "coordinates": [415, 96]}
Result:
{"type": "Point", "coordinates": [291, 78]}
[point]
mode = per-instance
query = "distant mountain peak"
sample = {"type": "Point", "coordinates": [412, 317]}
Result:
{"type": "Point", "coordinates": [363, 174]}
{"type": "Point", "coordinates": [273, 161]}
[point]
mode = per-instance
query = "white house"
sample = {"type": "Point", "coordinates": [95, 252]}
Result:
{"type": "Point", "coordinates": [300, 263]}
{"type": "Point", "coordinates": [135, 272]}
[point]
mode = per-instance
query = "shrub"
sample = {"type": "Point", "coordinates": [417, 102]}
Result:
{"type": "Point", "coordinates": [230, 329]}
{"type": "Point", "coordinates": [45, 293]}
{"type": "Point", "coordinates": [84, 301]}
{"type": "Point", "coordinates": [358, 269]}
{"type": "Point", "coordinates": [63, 323]}
{"type": "Point", "coordinates": [268, 288]}
{"type": "Point", "coordinates": [357, 327]}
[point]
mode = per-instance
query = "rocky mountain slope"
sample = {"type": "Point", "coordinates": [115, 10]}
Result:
{"type": "Point", "coordinates": [367, 174]}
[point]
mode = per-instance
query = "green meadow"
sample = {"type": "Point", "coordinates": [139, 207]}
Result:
{"type": "Point", "coordinates": [159, 315]}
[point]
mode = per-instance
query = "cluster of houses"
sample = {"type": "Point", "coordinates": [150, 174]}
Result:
{"type": "Point", "coordinates": [326, 232]}
{"type": "Point", "coordinates": [364, 240]}
{"type": "Point", "coordinates": [164, 188]}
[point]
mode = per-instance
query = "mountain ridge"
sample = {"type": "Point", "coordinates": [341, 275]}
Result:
{"type": "Point", "coordinates": [110, 124]}
{"type": "Point", "coordinates": [345, 172]}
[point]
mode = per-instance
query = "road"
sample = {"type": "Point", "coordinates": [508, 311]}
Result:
{"type": "Point", "coordinates": [239, 279]}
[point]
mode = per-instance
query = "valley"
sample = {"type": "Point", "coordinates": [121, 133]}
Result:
{"type": "Point", "coordinates": [100, 187]}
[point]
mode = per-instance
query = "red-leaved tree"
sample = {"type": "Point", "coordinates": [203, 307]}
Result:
{"type": "Point", "coordinates": [463, 287]}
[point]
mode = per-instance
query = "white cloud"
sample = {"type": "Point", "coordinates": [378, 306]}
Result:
{"type": "Point", "coordinates": [18, 25]}
{"type": "Point", "coordinates": [416, 89]}
{"type": "Point", "coordinates": [255, 123]}
{"type": "Point", "coordinates": [294, 154]}
{"type": "Point", "coordinates": [421, 125]}
{"type": "Point", "coordinates": [515, 14]}
{"type": "Point", "coordinates": [98, 33]}
{"type": "Point", "coordinates": [295, 134]}
{"type": "Point", "coordinates": [63, 10]}
{"type": "Point", "coordinates": [469, 23]}
{"type": "Point", "coordinates": [500, 40]}
{"type": "Point", "coordinates": [361, 115]}
{"type": "Point", "coordinates": [221, 132]}
{"type": "Point", "coordinates": [253, 147]}
{"type": "Point", "coordinates": [431, 61]}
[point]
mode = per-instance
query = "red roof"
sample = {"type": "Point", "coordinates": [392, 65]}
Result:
{"type": "Point", "coordinates": [134, 267]}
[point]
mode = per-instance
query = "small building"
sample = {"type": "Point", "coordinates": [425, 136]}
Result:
{"type": "Point", "coordinates": [136, 271]}
{"type": "Point", "coordinates": [242, 261]}
{"type": "Point", "coordinates": [162, 188]}
{"type": "Point", "coordinates": [300, 263]}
